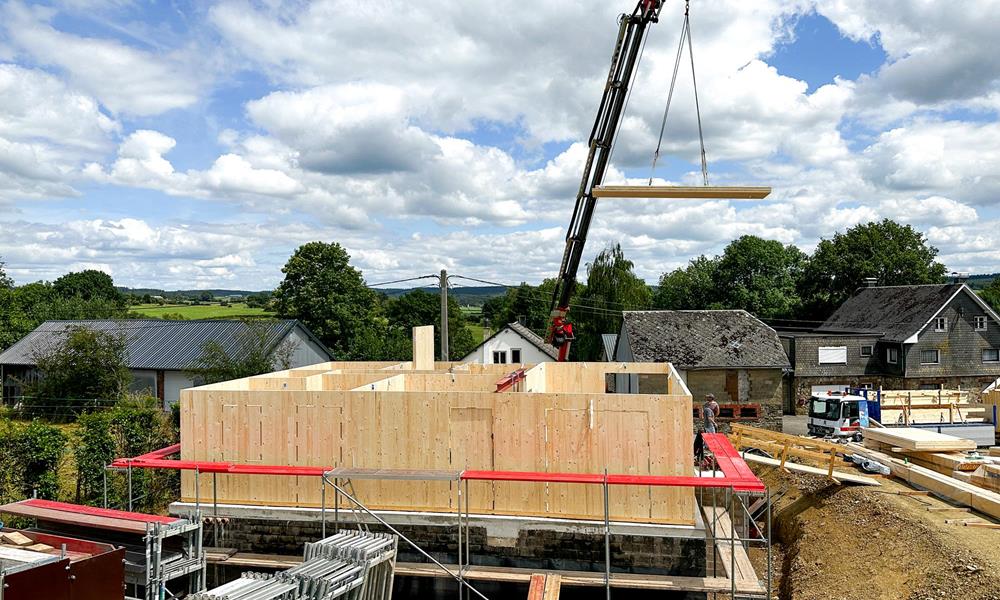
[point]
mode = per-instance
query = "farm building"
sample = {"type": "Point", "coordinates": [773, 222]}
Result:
{"type": "Point", "coordinates": [159, 352]}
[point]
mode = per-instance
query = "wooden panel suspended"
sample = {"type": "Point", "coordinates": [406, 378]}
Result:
{"type": "Point", "coordinates": [718, 192]}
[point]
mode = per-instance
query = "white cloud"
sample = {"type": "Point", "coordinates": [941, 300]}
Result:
{"type": "Point", "coordinates": [124, 78]}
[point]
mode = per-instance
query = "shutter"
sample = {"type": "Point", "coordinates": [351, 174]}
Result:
{"type": "Point", "coordinates": [833, 355]}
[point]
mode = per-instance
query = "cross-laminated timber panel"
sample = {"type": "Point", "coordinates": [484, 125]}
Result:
{"type": "Point", "coordinates": [454, 430]}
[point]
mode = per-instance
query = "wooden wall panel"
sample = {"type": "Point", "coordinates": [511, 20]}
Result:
{"type": "Point", "coordinates": [452, 430]}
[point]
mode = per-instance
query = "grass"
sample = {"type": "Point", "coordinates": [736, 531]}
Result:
{"type": "Point", "coordinates": [202, 311]}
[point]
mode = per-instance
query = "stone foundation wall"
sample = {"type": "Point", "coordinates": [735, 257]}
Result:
{"type": "Point", "coordinates": [532, 548]}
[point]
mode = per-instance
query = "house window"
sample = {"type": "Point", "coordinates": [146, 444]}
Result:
{"type": "Point", "coordinates": [867, 350]}
{"type": "Point", "coordinates": [981, 323]}
{"type": "Point", "coordinates": [991, 355]}
{"type": "Point", "coordinates": [930, 357]}
{"type": "Point", "coordinates": [833, 355]}
{"type": "Point", "coordinates": [499, 357]}
{"type": "Point", "coordinates": [941, 324]}
{"type": "Point", "coordinates": [515, 356]}
{"type": "Point", "coordinates": [892, 355]}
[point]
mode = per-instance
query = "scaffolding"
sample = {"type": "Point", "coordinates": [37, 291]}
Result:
{"type": "Point", "coordinates": [349, 565]}
{"type": "Point", "coordinates": [735, 505]}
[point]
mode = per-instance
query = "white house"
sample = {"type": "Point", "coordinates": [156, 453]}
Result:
{"type": "Point", "coordinates": [159, 352]}
{"type": "Point", "coordinates": [513, 344]}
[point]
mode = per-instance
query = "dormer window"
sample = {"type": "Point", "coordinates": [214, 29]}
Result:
{"type": "Point", "coordinates": [941, 324]}
{"type": "Point", "coordinates": [981, 323]}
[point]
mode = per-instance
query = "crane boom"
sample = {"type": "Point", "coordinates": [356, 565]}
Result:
{"type": "Point", "coordinates": [631, 36]}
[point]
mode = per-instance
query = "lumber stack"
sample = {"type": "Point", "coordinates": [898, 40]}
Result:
{"type": "Point", "coordinates": [919, 440]}
{"type": "Point", "coordinates": [962, 492]}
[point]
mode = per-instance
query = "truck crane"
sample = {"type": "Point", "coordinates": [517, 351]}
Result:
{"type": "Point", "coordinates": [632, 32]}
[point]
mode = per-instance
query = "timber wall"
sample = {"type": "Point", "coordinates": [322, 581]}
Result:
{"type": "Point", "coordinates": [361, 416]}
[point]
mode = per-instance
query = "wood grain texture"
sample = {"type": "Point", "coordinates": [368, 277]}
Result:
{"type": "Point", "coordinates": [406, 419]}
{"type": "Point", "coordinates": [909, 438]}
{"type": "Point", "coordinates": [678, 191]}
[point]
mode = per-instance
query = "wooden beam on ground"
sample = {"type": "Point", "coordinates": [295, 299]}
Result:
{"type": "Point", "coordinates": [730, 554]}
{"type": "Point", "coordinates": [909, 438]}
{"type": "Point", "coordinates": [966, 494]}
{"type": "Point", "coordinates": [553, 586]}
{"type": "Point", "coordinates": [679, 191]}
{"type": "Point", "coordinates": [838, 475]}
{"type": "Point", "coordinates": [588, 579]}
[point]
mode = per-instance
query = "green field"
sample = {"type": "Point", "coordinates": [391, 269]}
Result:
{"type": "Point", "coordinates": [204, 311]}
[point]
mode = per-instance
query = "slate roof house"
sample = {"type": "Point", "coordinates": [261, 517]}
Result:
{"type": "Point", "coordinates": [901, 337]}
{"type": "Point", "coordinates": [513, 344]}
{"type": "Point", "coordinates": [729, 353]}
{"type": "Point", "coordinates": [159, 352]}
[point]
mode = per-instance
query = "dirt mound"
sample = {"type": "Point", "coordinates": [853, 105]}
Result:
{"type": "Point", "coordinates": [864, 543]}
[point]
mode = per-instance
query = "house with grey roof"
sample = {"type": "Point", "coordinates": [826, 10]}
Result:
{"type": "Point", "coordinates": [513, 344]}
{"type": "Point", "coordinates": [900, 337]}
{"type": "Point", "coordinates": [159, 352]}
{"type": "Point", "coordinates": [728, 353]}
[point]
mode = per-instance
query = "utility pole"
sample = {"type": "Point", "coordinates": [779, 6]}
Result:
{"type": "Point", "coordinates": [444, 314]}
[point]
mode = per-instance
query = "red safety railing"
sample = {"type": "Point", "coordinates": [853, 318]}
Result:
{"type": "Point", "coordinates": [736, 473]}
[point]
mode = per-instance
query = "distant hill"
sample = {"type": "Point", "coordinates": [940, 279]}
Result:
{"type": "Point", "coordinates": [466, 296]}
{"type": "Point", "coordinates": [185, 293]}
{"type": "Point", "coordinates": [978, 282]}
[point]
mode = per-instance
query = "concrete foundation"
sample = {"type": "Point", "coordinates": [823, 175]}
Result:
{"type": "Point", "coordinates": [550, 544]}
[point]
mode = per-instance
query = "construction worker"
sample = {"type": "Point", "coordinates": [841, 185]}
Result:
{"type": "Point", "coordinates": [709, 411]}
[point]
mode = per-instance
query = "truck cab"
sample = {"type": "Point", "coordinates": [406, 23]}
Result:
{"type": "Point", "coordinates": [837, 414]}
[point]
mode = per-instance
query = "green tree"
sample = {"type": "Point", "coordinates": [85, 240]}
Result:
{"type": "Point", "coordinates": [325, 292]}
{"type": "Point", "coordinates": [991, 294]}
{"type": "Point", "coordinates": [257, 351]}
{"type": "Point", "coordinates": [691, 288]}
{"type": "Point", "coordinates": [88, 285]}
{"type": "Point", "coordinates": [760, 276]}
{"type": "Point", "coordinates": [87, 365]}
{"type": "Point", "coordinates": [891, 253]}
{"type": "Point", "coordinates": [612, 286]}
{"type": "Point", "coordinates": [419, 307]}
{"type": "Point", "coordinates": [5, 281]}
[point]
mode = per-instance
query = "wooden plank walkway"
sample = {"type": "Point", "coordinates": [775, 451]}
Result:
{"type": "Point", "coordinates": [730, 554]}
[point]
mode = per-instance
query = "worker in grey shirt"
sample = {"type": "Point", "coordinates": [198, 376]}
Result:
{"type": "Point", "coordinates": [709, 411]}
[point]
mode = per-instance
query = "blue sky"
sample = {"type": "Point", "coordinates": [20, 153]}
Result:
{"type": "Point", "coordinates": [189, 144]}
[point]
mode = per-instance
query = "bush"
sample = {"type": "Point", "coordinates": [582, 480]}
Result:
{"type": "Point", "coordinates": [30, 456]}
{"type": "Point", "coordinates": [132, 427]}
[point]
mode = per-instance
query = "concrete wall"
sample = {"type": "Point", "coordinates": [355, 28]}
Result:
{"type": "Point", "coordinates": [960, 347]}
{"type": "Point", "coordinates": [505, 341]}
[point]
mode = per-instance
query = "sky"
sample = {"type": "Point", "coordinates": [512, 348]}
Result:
{"type": "Point", "coordinates": [195, 144]}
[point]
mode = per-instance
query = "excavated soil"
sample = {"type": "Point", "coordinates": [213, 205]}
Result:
{"type": "Point", "coordinates": [838, 542]}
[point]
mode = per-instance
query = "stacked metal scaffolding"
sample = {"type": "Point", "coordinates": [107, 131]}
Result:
{"type": "Point", "coordinates": [353, 565]}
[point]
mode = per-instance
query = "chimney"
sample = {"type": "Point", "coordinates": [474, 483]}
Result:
{"type": "Point", "coordinates": [870, 282]}
{"type": "Point", "coordinates": [957, 277]}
